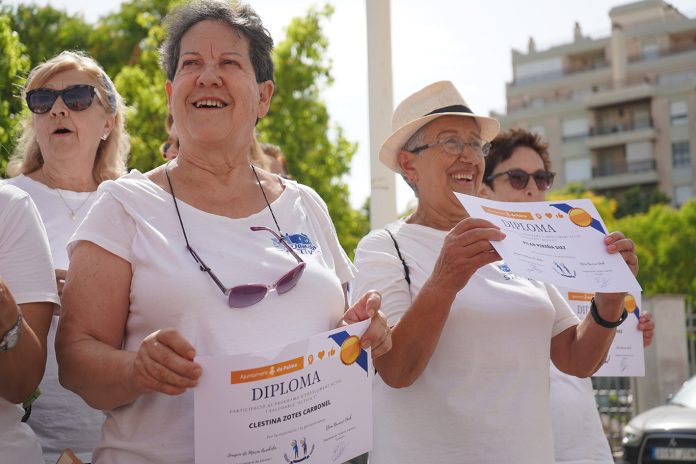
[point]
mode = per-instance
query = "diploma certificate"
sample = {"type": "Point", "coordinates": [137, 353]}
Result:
{"type": "Point", "coordinates": [625, 357]}
{"type": "Point", "coordinates": [310, 402]}
{"type": "Point", "coordinates": [558, 242]}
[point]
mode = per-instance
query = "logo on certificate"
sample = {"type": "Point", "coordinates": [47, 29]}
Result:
{"type": "Point", "coordinates": [299, 450]}
{"type": "Point", "coordinates": [562, 269]}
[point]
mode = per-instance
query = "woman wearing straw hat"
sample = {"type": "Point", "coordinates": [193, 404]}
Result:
{"type": "Point", "coordinates": [470, 340]}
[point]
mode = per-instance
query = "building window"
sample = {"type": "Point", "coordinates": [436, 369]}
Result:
{"type": "Point", "coordinates": [650, 50]}
{"type": "Point", "coordinates": [679, 113]}
{"type": "Point", "coordinates": [575, 128]}
{"type": "Point", "coordinates": [682, 194]}
{"type": "Point", "coordinates": [681, 155]}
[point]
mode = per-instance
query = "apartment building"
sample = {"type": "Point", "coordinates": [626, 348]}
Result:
{"type": "Point", "coordinates": [617, 111]}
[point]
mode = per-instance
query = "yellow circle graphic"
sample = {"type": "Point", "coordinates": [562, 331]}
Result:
{"type": "Point", "coordinates": [630, 303]}
{"type": "Point", "coordinates": [580, 217]}
{"type": "Point", "coordinates": [350, 350]}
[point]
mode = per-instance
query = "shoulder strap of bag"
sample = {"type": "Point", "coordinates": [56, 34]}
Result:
{"type": "Point", "coordinates": [407, 274]}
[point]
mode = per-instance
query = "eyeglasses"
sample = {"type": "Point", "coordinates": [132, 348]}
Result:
{"type": "Point", "coordinates": [75, 97]}
{"type": "Point", "coordinates": [455, 146]}
{"type": "Point", "coordinates": [519, 179]}
{"type": "Point", "coordinates": [245, 295]}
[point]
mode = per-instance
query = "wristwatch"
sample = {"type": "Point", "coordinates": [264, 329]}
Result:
{"type": "Point", "coordinates": [9, 340]}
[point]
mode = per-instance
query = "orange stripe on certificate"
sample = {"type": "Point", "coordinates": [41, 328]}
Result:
{"type": "Point", "coordinates": [577, 296]}
{"type": "Point", "coordinates": [509, 214]}
{"type": "Point", "coordinates": [267, 372]}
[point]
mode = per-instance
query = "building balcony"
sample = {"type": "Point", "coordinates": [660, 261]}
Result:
{"type": "Point", "coordinates": [620, 134]}
{"type": "Point", "coordinates": [623, 175]}
{"type": "Point", "coordinates": [570, 70]}
{"type": "Point", "coordinates": [618, 95]}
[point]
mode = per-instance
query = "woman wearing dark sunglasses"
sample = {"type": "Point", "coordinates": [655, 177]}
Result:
{"type": "Point", "coordinates": [74, 139]}
{"type": "Point", "coordinates": [206, 255]}
{"type": "Point", "coordinates": [578, 434]}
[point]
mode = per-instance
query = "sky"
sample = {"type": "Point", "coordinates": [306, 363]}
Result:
{"type": "Point", "coordinates": [468, 42]}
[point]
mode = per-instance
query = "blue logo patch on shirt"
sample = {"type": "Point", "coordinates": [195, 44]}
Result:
{"type": "Point", "coordinates": [507, 272]}
{"type": "Point", "coordinates": [301, 243]}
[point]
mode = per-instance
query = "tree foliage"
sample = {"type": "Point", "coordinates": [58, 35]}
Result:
{"type": "Point", "coordinates": [48, 31]}
{"type": "Point", "coordinates": [142, 86]}
{"type": "Point", "coordinates": [14, 64]}
{"type": "Point", "coordinates": [638, 199]}
{"type": "Point", "coordinates": [666, 245]}
{"type": "Point", "coordinates": [318, 154]}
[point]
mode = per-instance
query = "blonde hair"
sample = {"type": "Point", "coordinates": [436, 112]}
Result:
{"type": "Point", "coordinates": [110, 160]}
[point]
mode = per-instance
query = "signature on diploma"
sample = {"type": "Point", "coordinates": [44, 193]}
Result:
{"type": "Point", "coordinates": [338, 450]}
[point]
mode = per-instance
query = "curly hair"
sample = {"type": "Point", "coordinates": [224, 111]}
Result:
{"type": "Point", "coordinates": [505, 144]}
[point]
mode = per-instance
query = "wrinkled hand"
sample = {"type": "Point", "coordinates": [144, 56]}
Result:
{"type": "Point", "coordinates": [617, 242]}
{"type": "Point", "coordinates": [378, 333]}
{"type": "Point", "coordinates": [467, 247]}
{"type": "Point", "coordinates": [647, 326]}
{"type": "Point", "coordinates": [60, 281]}
{"type": "Point", "coordinates": [9, 310]}
{"type": "Point", "coordinates": [164, 363]}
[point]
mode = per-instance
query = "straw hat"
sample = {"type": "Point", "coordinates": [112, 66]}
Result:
{"type": "Point", "coordinates": [434, 101]}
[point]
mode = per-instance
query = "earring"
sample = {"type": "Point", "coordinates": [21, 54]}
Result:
{"type": "Point", "coordinates": [105, 136]}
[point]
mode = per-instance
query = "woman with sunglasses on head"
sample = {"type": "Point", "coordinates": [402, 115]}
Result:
{"type": "Point", "coordinates": [205, 255]}
{"type": "Point", "coordinates": [466, 380]}
{"type": "Point", "coordinates": [517, 169]}
{"type": "Point", "coordinates": [73, 140]}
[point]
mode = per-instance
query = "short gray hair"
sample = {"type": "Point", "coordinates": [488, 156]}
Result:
{"type": "Point", "coordinates": [413, 142]}
{"type": "Point", "coordinates": [240, 17]}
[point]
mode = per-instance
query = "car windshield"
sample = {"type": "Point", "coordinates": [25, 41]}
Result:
{"type": "Point", "coordinates": [686, 396]}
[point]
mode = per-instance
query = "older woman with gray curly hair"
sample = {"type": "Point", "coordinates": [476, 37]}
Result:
{"type": "Point", "coordinates": [73, 140]}
{"type": "Point", "coordinates": [161, 268]}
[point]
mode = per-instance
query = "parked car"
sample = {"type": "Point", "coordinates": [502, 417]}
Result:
{"type": "Point", "coordinates": [665, 434]}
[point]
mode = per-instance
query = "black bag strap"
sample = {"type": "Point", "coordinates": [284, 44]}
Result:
{"type": "Point", "coordinates": [407, 274]}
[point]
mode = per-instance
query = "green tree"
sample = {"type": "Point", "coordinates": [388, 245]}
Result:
{"type": "Point", "coordinates": [14, 64]}
{"type": "Point", "coordinates": [318, 154]}
{"type": "Point", "coordinates": [142, 86]}
{"type": "Point", "coordinates": [48, 31]}
{"type": "Point", "coordinates": [666, 246]}
{"type": "Point", "coordinates": [639, 200]}
{"type": "Point", "coordinates": [119, 38]}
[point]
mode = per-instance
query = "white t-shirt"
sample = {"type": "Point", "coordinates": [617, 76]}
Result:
{"type": "Point", "coordinates": [484, 396]}
{"type": "Point", "coordinates": [60, 418]}
{"type": "Point", "coordinates": [578, 435]}
{"type": "Point", "coordinates": [135, 219]}
{"type": "Point", "coordinates": [26, 268]}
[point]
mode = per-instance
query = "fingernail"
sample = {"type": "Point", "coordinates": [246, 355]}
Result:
{"type": "Point", "coordinates": [611, 248]}
{"type": "Point", "coordinates": [365, 344]}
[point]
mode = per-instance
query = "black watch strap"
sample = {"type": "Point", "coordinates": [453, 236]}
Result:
{"type": "Point", "coordinates": [598, 319]}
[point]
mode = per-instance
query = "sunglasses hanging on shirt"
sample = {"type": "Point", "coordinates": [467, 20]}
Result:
{"type": "Point", "coordinates": [242, 296]}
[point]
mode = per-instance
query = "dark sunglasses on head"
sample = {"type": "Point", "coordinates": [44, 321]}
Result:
{"type": "Point", "coordinates": [75, 97]}
{"type": "Point", "coordinates": [519, 179]}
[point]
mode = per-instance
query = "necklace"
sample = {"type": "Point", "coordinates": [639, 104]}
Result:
{"type": "Point", "coordinates": [73, 212]}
